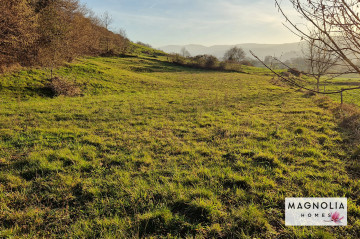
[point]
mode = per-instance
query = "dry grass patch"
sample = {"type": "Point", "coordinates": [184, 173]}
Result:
{"type": "Point", "coordinates": [65, 87]}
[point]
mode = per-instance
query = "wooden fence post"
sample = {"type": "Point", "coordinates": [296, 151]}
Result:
{"type": "Point", "coordinates": [342, 96]}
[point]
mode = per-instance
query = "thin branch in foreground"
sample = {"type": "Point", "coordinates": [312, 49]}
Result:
{"type": "Point", "coordinates": [300, 86]}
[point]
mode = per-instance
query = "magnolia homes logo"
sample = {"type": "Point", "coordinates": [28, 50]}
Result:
{"type": "Point", "coordinates": [315, 211]}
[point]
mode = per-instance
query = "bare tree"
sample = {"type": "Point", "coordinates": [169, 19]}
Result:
{"type": "Point", "coordinates": [122, 41]}
{"type": "Point", "coordinates": [298, 84]}
{"type": "Point", "coordinates": [319, 59]}
{"type": "Point", "coordinates": [330, 25]}
{"type": "Point", "coordinates": [122, 33]}
{"type": "Point", "coordinates": [272, 62]}
{"type": "Point", "coordinates": [106, 20]}
{"type": "Point", "coordinates": [234, 54]}
{"type": "Point", "coordinates": [184, 52]}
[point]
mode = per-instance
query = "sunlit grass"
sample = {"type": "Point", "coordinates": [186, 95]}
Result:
{"type": "Point", "coordinates": [153, 149]}
{"type": "Point", "coordinates": [350, 97]}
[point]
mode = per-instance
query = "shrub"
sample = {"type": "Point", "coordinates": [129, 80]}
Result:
{"type": "Point", "coordinates": [50, 33]}
{"type": "Point", "coordinates": [198, 61]}
{"type": "Point", "coordinates": [143, 44]}
{"type": "Point", "coordinates": [64, 87]}
{"type": "Point", "coordinates": [210, 61]}
{"type": "Point", "coordinates": [235, 54]}
{"type": "Point", "coordinates": [247, 63]}
{"type": "Point", "coordinates": [285, 74]}
{"type": "Point", "coordinates": [222, 65]}
{"type": "Point", "coordinates": [177, 58]}
{"type": "Point", "coordinates": [295, 72]}
{"type": "Point", "coordinates": [9, 67]}
{"type": "Point", "coordinates": [204, 61]}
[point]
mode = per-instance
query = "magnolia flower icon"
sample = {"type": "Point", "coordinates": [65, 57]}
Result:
{"type": "Point", "coordinates": [335, 217]}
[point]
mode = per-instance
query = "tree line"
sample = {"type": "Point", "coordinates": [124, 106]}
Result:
{"type": "Point", "coordinates": [50, 32]}
{"type": "Point", "coordinates": [232, 60]}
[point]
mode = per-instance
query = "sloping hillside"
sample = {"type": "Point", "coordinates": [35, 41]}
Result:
{"type": "Point", "coordinates": [153, 149]}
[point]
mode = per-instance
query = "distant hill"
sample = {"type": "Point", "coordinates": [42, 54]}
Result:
{"type": "Point", "coordinates": [284, 51]}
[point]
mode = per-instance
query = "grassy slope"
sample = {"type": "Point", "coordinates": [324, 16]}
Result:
{"type": "Point", "coordinates": [155, 149]}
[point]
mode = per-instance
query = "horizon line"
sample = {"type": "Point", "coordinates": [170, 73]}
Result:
{"type": "Point", "coordinates": [228, 44]}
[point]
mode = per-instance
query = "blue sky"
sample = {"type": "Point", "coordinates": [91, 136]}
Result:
{"type": "Point", "coordinates": [205, 22]}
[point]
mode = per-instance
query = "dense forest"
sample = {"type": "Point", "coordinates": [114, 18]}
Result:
{"type": "Point", "coordinates": [49, 32]}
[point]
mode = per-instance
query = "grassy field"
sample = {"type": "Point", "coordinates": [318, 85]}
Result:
{"type": "Point", "coordinates": [350, 97]}
{"type": "Point", "coordinates": [336, 84]}
{"type": "Point", "coordinates": [156, 150]}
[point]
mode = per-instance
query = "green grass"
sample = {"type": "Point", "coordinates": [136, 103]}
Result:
{"type": "Point", "coordinates": [140, 50]}
{"type": "Point", "coordinates": [157, 150]}
{"type": "Point", "coordinates": [336, 84]}
{"type": "Point", "coordinates": [350, 97]}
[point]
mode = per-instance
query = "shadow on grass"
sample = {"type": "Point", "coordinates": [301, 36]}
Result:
{"type": "Point", "coordinates": [192, 213]}
{"type": "Point", "coordinates": [45, 92]}
{"type": "Point", "coordinates": [348, 83]}
{"type": "Point", "coordinates": [348, 118]}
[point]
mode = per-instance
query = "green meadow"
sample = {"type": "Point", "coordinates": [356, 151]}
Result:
{"type": "Point", "coordinates": [155, 150]}
{"type": "Point", "coordinates": [349, 97]}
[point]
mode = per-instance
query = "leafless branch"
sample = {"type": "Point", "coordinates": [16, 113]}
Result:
{"type": "Point", "coordinates": [296, 84]}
